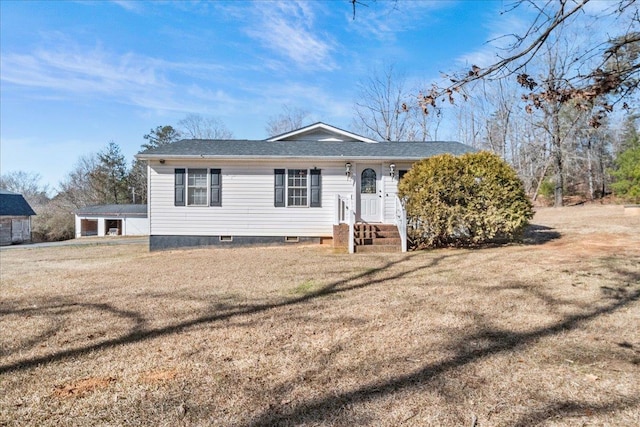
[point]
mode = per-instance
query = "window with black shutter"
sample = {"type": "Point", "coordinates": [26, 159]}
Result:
{"type": "Point", "coordinates": [216, 188]}
{"type": "Point", "coordinates": [297, 188]}
{"type": "Point", "coordinates": [279, 187]}
{"type": "Point", "coordinates": [179, 187]}
{"type": "Point", "coordinates": [316, 189]}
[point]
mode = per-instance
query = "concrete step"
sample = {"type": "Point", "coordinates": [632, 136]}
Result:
{"type": "Point", "coordinates": [377, 248]}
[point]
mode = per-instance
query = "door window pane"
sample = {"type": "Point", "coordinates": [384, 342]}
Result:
{"type": "Point", "coordinates": [368, 181]}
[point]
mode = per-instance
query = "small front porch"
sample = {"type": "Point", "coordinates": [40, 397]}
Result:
{"type": "Point", "coordinates": [366, 237]}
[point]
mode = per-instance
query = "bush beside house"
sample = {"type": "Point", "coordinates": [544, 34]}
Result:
{"type": "Point", "coordinates": [472, 199]}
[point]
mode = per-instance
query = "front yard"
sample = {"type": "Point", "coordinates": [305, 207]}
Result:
{"type": "Point", "coordinates": [544, 333]}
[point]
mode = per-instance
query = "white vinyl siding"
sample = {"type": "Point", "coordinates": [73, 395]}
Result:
{"type": "Point", "coordinates": [247, 201]}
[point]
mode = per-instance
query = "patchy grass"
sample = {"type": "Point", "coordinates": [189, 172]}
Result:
{"type": "Point", "coordinates": [305, 287]}
{"type": "Point", "coordinates": [544, 333]}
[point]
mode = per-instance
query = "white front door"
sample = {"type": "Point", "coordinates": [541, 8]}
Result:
{"type": "Point", "coordinates": [369, 190]}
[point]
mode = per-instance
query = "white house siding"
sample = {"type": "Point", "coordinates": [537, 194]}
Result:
{"type": "Point", "coordinates": [247, 201]}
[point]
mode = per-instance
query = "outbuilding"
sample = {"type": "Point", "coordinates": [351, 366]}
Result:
{"type": "Point", "coordinates": [15, 218]}
{"type": "Point", "coordinates": [112, 220]}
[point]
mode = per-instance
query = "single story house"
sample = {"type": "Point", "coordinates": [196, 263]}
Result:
{"type": "Point", "coordinates": [15, 218]}
{"type": "Point", "coordinates": [312, 184]}
{"type": "Point", "coordinates": [112, 220]}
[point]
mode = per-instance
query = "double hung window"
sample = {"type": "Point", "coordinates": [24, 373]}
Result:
{"type": "Point", "coordinates": [197, 187]}
{"type": "Point", "coordinates": [297, 187]}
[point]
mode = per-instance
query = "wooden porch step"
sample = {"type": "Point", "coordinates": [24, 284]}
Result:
{"type": "Point", "coordinates": [377, 241]}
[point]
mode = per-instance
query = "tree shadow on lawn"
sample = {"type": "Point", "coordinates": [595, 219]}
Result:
{"type": "Point", "coordinates": [488, 342]}
{"type": "Point", "coordinates": [566, 409]}
{"type": "Point", "coordinates": [539, 234]}
{"type": "Point", "coordinates": [140, 333]}
{"type": "Point", "coordinates": [63, 307]}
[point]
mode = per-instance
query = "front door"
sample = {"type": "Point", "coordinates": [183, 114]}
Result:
{"type": "Point", "coordinates": [370, 194]}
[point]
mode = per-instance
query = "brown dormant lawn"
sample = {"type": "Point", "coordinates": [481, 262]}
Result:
{"type": "Point", "coordinates": [543, 333]}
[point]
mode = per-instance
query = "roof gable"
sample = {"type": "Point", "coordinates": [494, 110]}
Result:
{"type": "Point", "coordinates": [14, 204]}
{"type": "Point", "coordinates": [320, 132]}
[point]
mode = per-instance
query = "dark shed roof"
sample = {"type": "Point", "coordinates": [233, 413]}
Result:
{"type": "Point", "coordinates": [114, 210]}
{"type": "Point", "coordinates": [203, 148]}
{"type": "Point", "coordinates": [13, 204]}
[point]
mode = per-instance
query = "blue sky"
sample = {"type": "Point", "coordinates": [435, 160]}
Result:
{"type": "Point", "coordinates": [76, 75]}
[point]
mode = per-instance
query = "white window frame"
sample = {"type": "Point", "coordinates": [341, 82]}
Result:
{"type": "Point", "coordinates": [307, 188]}
{"type": "Point", "coordinates": [189, 186]}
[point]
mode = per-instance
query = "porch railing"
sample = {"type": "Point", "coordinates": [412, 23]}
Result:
{"type": "Point", "coordinates": [346, 214]}
{"type": "Point", "coordinates": [401, 223]}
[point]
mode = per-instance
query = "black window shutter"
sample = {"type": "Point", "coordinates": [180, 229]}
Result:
{"type": "Point", "coordinates": [216, 188]}
{"type": "Point", "coordinates": [316, 188]}
{"type": "Point", "coordinates": [179, 187]}
{"type": "Point", "coordinates": [279, 188]}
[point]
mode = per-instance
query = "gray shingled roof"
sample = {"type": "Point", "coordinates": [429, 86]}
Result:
{"type": "Point", "coordinates": [13, 204]}
{"type": "Point", "coordinates": [114, 210]}
{"type": "Point", "coordinates": [202, 148]}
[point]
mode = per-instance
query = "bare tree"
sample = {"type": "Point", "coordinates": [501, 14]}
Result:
{"type": "Point", "coordinates": [77, 188]}
{"type": "Point", "coordinates": [381, 109]}
{"type": "Point", "coordinates": [27, 184]}
{"type": "Point", "coordinates": [196, 126]}
{"type": "Point", "coordinates": [606, 69]}
{"type": "Point", "coordinates": [291, 118]}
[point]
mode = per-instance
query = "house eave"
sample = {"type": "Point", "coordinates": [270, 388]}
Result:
{"type": "Point", "coordinates": [258, 158]}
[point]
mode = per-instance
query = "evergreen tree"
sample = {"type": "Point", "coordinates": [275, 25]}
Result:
{"type": "Point", "coordinates": [109, 179]}
{"type": "Point", "coordinates": [627, 165]}
{"type": "Point", "coordinates": [161, 135]}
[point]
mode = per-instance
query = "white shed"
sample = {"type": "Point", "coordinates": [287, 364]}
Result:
{"type": "Point", "coordinates": [112, 220]}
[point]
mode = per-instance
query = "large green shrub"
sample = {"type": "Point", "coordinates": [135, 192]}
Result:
{"type": "Point", "coordinates": [462, 201]}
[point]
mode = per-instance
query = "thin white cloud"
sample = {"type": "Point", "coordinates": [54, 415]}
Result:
{"type": "Point", "coordinates": [287, 30]}
{"type": "Point", "coordinates": [130, 5]}
{"type": "Point", "coordinates": [384, 20]}
{"type": "Point", "coordinates": [94, 74]}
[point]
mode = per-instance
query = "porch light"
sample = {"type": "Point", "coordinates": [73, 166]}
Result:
{"type": "Point", "coordinates": [392, 170]}
{"type": "Point", "coordinates": [347, 168]}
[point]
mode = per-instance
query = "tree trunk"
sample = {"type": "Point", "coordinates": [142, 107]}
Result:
{"type": "Point", "coordinates": [556, 143]}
